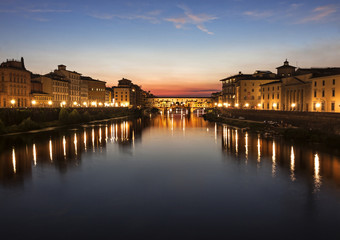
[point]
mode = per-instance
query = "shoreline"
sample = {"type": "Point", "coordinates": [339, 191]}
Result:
{"type": "Point", "coordinates": [46, 129]}
{"type": "Point", "coordinates": [273, 129]}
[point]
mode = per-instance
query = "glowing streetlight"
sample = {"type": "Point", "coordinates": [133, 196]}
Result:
{"type": "Point", "coordinates": [236, 105]}
{"type": "Point", "coordinates": [259, 105]}
{"type": "Point", "coordinates": [317, 105]}
{"type": "Point", "coordinates": [274, 105]}
{"type": "Point", "coordinates": [49, 102]}
{"type": "Point", "coordinates": [100, 104]}
{"type": "Point", "coordinates": [74, 103]}
{"type": "Point", "coordinates": [93, 103]}
{"type": "Point", "coordinates": [219, 105]}
{"type": "Point", "coordinates": [13, 101]}
{"type": "Point", "coordinates": [63, 103]}
{"type": "Point", "coordinates": [34, 102]}
{"type": "Point", "coordinates": [85, 103]}
{"type": "Point", "coordinates": [246, 105]}
{"type": "Point", "coordinates": [293, 105]}
{"type": "Point", "coordinates": [215, 104]}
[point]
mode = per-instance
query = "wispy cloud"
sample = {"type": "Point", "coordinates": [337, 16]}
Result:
{"type": "Point", "coordinates": [149, 16]}
{"type": "Point", "coordinates": [34, 10]}
{"type": "Point", "coordinates": [319, 14]}
{"type": "Point", "coordinates": [190, 18]}
{"type": "Point", "coordinates": [259, 14]}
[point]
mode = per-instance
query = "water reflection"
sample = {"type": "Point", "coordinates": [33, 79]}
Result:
{"type": "Point", "coordinates": [65, 148]}
{"type": "Point", "coordinates": [286, 160]}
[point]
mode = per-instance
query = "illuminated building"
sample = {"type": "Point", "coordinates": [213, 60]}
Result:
{"type": "Point", "coordinates": [193, 102]}
{"type": "Point", "coordinates": [243, 90]}
{"type": "Point", "coordinates": [73, 78]}
{"type": "Point", "coordinates": [56, 86]}
{"type": "Point", "coordinates": [15, 84]}
{"type": "Point", "coordinates": [96, 92]}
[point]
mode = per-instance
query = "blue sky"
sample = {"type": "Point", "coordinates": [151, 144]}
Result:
{"type": "Point", "coordinates": [170, 47]}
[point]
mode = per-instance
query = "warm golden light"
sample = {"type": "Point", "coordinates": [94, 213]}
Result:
{"type": "Point", "coordinates": [75, 103]}
{"type": "Point", "coordinates": [219, 105]}
{"type": "Point", "coordinates": [317, 177]}
{"type": "Point", "coordinates": [259, 105]}
{"type": "Point", "coordinates": [34, 155]}
{"type": "Point", "coordinates": [93, 103]}
{"type": "Point", "coordinates": [50, 150]}
{"type": "Point", "coordinates": [236, 105]}
{"type": "Point", "coordinates": [317, 105]}
{"type": "Point", "coordinates": [14, 161]}
{"type": "Point", "coordinates": [246, 105]}
{"type": "Point", "coordinates": [49, 102]}
{"type": "Point", "coordinates": [293, 105]}
{"type": "Point", "coordinates": [274, 105]}
{"type": "Point", "coordinates": [34, 102]}
{"type": "Point", "coordinates": [100, 104]}
{"type": "Point", "coordinates": [274, 160]}
{"type": "Point", "coordinates": [12, 101]}
{"type": "Point", "coordinates": [246, 145]}
{"type": "Point", "coordinates": [64, 146]}
{"type": "Point", "coordinates": [258, 149]}
{"type": "Point", "coordinates": [84, 103]}
{"type": "Point", "coordinates": [292, 163]}
{"type": "Point", "coordinates": [63, 103]}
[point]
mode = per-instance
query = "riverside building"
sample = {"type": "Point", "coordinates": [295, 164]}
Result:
{"type": "Point", "coordinates": [15, 84]}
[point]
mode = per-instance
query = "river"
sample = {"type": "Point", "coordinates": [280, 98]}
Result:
{"type": "Point", "coordinates": [167, 177]}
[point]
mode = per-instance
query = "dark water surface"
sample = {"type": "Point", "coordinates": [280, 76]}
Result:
{"type": "Point", "coordinates": [169, 177]}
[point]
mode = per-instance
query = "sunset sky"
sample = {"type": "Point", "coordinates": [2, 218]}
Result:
{"type": "Point", "coordinates": [170, 47]}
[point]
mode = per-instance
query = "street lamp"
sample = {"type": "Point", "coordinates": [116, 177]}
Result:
{"type": "Point", "coordinates": [49, 102]}
{"type": "Point", "coordinates": [236, 105]}
{"type": "Point", "coordinates": [246, 105]}
{"type": "Point", "coordinates": [34, 102]}
{"type": "Point", "coordinates": [274, 105]}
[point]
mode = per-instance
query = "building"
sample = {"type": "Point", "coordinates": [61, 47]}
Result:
{"type": "Point", "coordinates": [171, 102]}
{"type": "Point", "coordinates": [127, 94]}
{"type": "Point", "coordinates": [95, 92]}
{"type": "Point", "coordinates": [108, 97]}
{"type": "Point", "coordinates": [243, 90]}
{"type": "Point", "coordinates": [56, 86]}
{"type": "Point", "coordinates": [74, 91]}
{"type": "Point", "coordinates": [306, 89]}
{"type": "Point", "coordinates": [39, 98]}
{"type": "Point", "coordinates": [15, 84]}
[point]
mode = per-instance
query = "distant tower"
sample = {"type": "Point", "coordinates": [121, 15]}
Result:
{"type": "Point", "coordinates": [285, 70]}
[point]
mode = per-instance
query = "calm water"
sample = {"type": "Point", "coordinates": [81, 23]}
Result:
{"type": "Point", "coordinates": [169, 177]}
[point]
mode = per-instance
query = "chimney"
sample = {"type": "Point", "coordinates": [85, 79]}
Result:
{"type": "Point", "coordinates": [22, 63]}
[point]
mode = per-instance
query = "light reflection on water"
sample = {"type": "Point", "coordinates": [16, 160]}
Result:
{"type": "Point", "coordinates": [274, 160]}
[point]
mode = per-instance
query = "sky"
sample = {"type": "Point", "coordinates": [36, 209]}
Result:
{"type": "Point", "coordinates": [171, 48]}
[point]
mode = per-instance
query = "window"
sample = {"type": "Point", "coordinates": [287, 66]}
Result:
{"type": "Point", "coordinates": [278, 106]}
{"type": "Point", "coordinates": [333, 92]}
{"type": "Point", "coordinates": [333, 81]}
{"type": "Point", "coordinates": [263, 96]}
{"type": "Point", "coordinates": [332, 106]}
{"type": "Point", "coordinates": [314, 106]}
{"type": "Point", "coordinates": [278, 96]}
{"type": "Point", "coordinates": [252, 90]}
{"type": "Point", "coordinates": [273, 96]}
{"type": "Point", "coordinates": [278, 88]}
{"type": "Point", "coordinates": [314, 93]}
{"type": "Point", "coordinates": [323, 106]}
{"type": "Point", "coordinates": [323, 93]}
{"type": "Point", "coordinates": [323, 82]}
{"type": "Point", "coordinates": [267, 105]}
{"type": "Point", "coordinates": [268, 95]}
{"type": "Point", "coordinates": [273, 88]}
{"type": "Point", "coordinates": [245, 90]}
{"type": "Point", "coordinates": [314, 83]}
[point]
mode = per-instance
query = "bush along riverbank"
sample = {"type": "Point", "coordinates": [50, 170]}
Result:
{"type": "Point", "coordinates": [272, 129]}
{"type": "Point", "coordinates": [21, 120]}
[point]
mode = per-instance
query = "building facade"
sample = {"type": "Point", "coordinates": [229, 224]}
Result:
{"type": "Point", "coordinates": [95, 92]}
{"type": "Point", "coordinates": [74, 91]}
{"type": "Point", "coordinates": [15, 84]}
